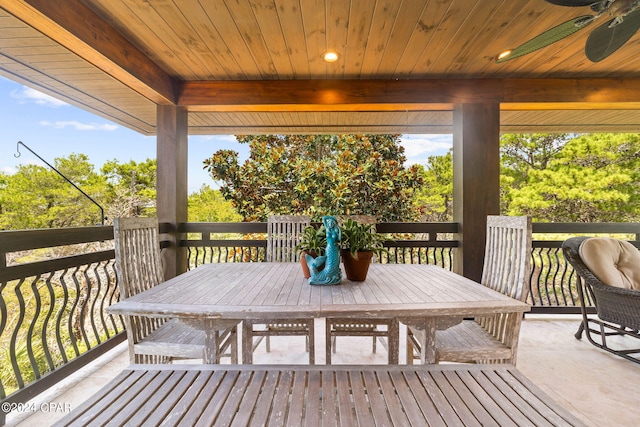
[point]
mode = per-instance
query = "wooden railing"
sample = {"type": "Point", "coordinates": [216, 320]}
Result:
{"type": "Point", "coordinates": [53, 310]}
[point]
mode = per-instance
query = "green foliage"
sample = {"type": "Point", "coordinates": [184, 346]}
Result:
{"type": "Point", "coordinates": [208, 205]}
{"type": "Point", "coordinates": [590, 178]}
{"type": "Point", "coordinates": [318, 175]}
{"type": "Point", "coordinates": [37, 197]}
{"type": "Point", "coordinates": [435, 198]}
{"type": "Point", "coordinates": [131, 188]}
{"type": "Point", "coordinates": [358, 237]}
{"type": "Point", "coordinates": [313, 239]}
{"type": "Point", "coordinates": [521, 153]}
{"type": "Point", "coordinates": [559, 177]}
{"type": "Point", "coordinates": [553, 177]}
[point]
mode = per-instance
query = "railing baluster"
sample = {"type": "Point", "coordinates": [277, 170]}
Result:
{"type": "Point", "coordinates": [45, 324]}
{"type": "Point", "coordinates": [93, 296]}
{"type": "Point", "coordinates": [61, 318]}
{"type": "Point", "coordinates": [3, 324]}
{"type": "Point", "coordinates": [73, 318]}
{"type": "Point", "coordinates": [32, 325]}
{"type": "Point", "coordinates": [562, 289]}
{"type": "Point", "coordinates": [549, 287]}
{"type": "Point", "coordinates": [103, 299]}
{"type": "Point", "coordinates": [13, 347]}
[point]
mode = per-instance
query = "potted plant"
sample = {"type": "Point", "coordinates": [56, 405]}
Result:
{"type": "Point", "coordinates": [359, 243]}
{"type": "Point", "coordinates": [313, 242]}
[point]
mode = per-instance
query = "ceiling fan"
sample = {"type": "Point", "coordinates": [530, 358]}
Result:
{"type": "Point", "coordinates": [602, 42]}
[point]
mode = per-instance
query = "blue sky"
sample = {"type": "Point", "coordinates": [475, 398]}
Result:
{"type": "Point", "coordinates": [55, 129]}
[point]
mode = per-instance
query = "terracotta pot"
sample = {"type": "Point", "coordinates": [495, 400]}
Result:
{"type": "Point", "coordinates": [303, 263]}
{"type": "Point", "coordinates": [356, 268]}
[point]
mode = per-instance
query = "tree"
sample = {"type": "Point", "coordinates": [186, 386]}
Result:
{"type": "Point", "coordinates": [37, 197]}
{"type": "Point", "coordinates": [208, 205]}
{"type": "Point", "coordinates": [522, 153]}
{"type": "Point", "coordinates": [131, 188]}
{"type": "Point", "coordinates": [435, 199]}
{"type": "Point", "coordinates": [318, 175]}
{"type": "Point", "coordinates": [592, 178]}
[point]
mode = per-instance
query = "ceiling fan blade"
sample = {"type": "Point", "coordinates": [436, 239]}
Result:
{"type": "Point", "coordinates": [548, 37]}
{"type": "Point", "coordinates": [574, 3]}
{"type": "Point", "coordinates": [605, 40]}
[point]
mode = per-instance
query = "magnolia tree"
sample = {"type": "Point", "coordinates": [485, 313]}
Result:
{"type": "Point", "coordinates": [318, 175]}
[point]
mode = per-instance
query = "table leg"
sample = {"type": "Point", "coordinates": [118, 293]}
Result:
{"type": "Point", "coordinates": [213, 328]}
{"type": "Point", "coordinates": [247, 343]}
{"type": "Point", "coordinates": [394, 342]}
{"type": "Point", "coordinates": [211, 354]}
{"type": "Point", "coordinates": [426, 337]}
{"type": "Point", "coordinates": [428, 351]}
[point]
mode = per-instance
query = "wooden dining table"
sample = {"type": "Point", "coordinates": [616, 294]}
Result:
{"type": "Point", "coordinates": [213, 296]}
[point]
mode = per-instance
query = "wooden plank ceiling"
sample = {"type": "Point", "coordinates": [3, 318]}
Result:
{"type": "Point", "coordinates": [254, 66]}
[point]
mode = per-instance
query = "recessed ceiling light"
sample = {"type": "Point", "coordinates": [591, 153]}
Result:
{"type": "Point", "coordinates": [504, 54]}
{"type": "Point", "coordinates": [330, 56]}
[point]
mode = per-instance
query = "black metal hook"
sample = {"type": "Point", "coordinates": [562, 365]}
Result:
{"type": "Point", "coordinates": [18, 154]}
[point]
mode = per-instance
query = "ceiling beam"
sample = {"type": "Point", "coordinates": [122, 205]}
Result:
{"type": "Point", "coordinates": [76, 27]}
{"type": "Point", "coordinates": [334, 95]}
{"type": "Point", "coordinates": [587, 90]}
{"type": "Point", "coordinates": [406, 95]}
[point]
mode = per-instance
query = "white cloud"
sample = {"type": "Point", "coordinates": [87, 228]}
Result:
{"type": "Point", "coordinates": [31, 95]}
{"type": "Point", "coordinates": [215, 138]}
{"type": "Point", "coordinates": [8, 170]}
{"type": "Point", "coordinates": [79, 126]}
{"type": "Point", "coordinates": [418, 148]}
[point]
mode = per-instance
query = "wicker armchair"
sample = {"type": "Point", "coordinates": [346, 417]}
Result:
{"type": "Point", "coordinates": [617, 309]}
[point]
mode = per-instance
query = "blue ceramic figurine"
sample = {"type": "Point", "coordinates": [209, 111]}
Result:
{"type": "Point", "coordinates": [330, 274]}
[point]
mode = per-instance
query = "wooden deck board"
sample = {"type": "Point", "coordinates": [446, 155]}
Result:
{"type": "Point", "coordinates": [345, 411]}
{"type": "Point", "coordinates": [249, 399]}
{"type": "Point", "coordinates": [327, 395]}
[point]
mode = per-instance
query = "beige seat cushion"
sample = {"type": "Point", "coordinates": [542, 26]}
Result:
{"type": "Point", "coordinates": [614, 262]}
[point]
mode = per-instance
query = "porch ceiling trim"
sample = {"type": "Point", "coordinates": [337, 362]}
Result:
{"type": "Point", "coordinates": [76, 27]}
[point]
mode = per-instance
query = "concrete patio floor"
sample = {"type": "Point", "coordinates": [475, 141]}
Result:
{"type": "Point", "coordinates": [596, 386]}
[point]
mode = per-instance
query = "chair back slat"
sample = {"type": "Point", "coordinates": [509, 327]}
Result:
{"type": "Point", "coordinates": [137, 250]}
{"type": "Point", "coordinates": [284, 232]}
{"type": "Point", "coordinates": [506, 263]}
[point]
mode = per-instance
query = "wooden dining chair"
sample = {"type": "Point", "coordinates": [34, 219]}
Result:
{"type": "Point", "coordinates": [378, 329]}
{"type": "Point", "coordinates": [284, 232]}
{"type": "Point", "coordinates": [138, 268]}
{"type": "Point", "coordinates": [490, 339]}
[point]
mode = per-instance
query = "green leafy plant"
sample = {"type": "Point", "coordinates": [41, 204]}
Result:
{"type": "Point", "coordinates": [313, 240]}
{"type": "Point", "coordinates": [357, 237]}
